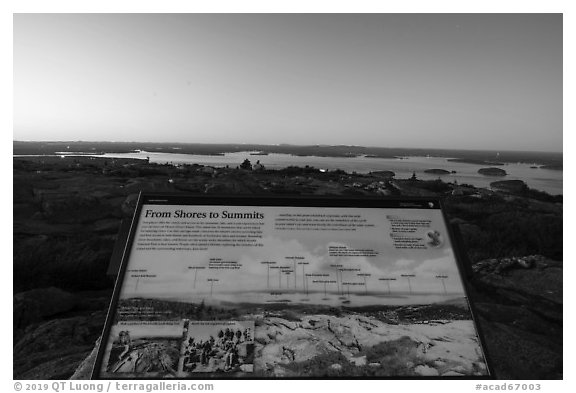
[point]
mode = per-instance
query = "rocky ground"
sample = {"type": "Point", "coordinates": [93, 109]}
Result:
{"type": "Point", "coordinates": [519, 304]}
{"type": "Point", "coordinates": [67, 213]}
{"type": "Point", "coordinates": [55, 330]}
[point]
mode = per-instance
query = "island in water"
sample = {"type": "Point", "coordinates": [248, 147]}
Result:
{"type": "Point", "coordinates": [492, 172]}
{"type": "Point", "coordinates": [438, 171]}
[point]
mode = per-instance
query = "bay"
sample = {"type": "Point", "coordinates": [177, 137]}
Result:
{"type": "Point", "coordinates": [542, 179]}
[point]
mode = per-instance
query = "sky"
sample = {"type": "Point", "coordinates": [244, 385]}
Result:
{"type": "Point", "coordinates": [472, 81]}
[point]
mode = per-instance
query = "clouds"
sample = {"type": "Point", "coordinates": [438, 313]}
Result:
{"type": "Point", "coordinates": [174, 276]}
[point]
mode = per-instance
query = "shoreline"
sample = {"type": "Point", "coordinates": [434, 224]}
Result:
{"type": "Point", "coordinates": [338, 151]}
{"type": "Point", "coordinates": [105, 154]}
{"type": "Point", "coordinates": [399, 168]}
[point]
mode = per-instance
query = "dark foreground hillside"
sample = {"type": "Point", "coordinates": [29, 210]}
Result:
{"type": "Point", "coordinates": [67, 214]}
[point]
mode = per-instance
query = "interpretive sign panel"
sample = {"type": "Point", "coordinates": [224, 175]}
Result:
{"type": "Point", "coordinates": [289, 288]}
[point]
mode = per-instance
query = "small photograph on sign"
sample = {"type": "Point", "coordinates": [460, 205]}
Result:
{"type": "Point", "coordinates": [151, 349]}
{"type": "Point", "coordinates": [219, 346]}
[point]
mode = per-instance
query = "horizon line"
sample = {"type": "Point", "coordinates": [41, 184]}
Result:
{"type": "Point", "coordinates": [294, 145]}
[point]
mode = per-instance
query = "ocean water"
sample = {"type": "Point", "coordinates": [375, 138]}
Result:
{"type": "Point", "coordinates": [538, 178]}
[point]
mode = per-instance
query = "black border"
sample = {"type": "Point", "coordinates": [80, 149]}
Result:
{"type": "Point", "coordinates": [295, 201]}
